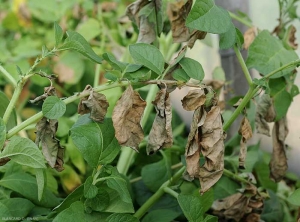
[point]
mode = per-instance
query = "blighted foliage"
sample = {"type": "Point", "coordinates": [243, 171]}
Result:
{"type": "Point", "coordinates": [246, 132]}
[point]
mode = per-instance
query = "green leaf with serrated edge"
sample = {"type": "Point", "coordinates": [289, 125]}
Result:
{"type": "Point", "coordinates": [206, 16]}
{"type": "Point", "coordinates": [192, 207]}
{"type": "Point", "coordinates": [266, 54]}
{"type": "Point", "coordinates": [23, 151]}
{"type": "Point", "coordinates": [58, 32]}
{"type": "Point", "coordinates": [53, 107]}
{"type": "Point", "coordinates": [180, 75]}
{"type": "Point", "coordinates": [228, 39]}
{"type": "Point", "coordinates": [71, 198]}
{"type": "Point", "coordinates": [40, 175]}
{"type": "Point", "coordinates": [110, 58]}
{"type": "Point", "coordinates": [100, 202]}
{"type": "Point", "coordinates": [282, 102]}
{"type": "Point", "coordinates": [294, 198]}
{"type": "Point", "coordinates": [77, 42]}
{"type": "Point", "coordinates": [192, 68]}
{"type": "Point", "coordinates": [25, 185]}
{"type": "Point", "coordinates": [2, 133]}
{"type": "Point", "coordinates": [111, 147]}
{"type": "Point", "coordinates": [224, 188]}
{"type": "Point", "coordinates": [90, 190]}
{"type": "Point", "coordinates": [3, 105]}
{"type": "Point", "coordinates": [18, 207]}
{"type": "Point", "coordinates": [147, 55]}
{"type": "Point", "coordinates": [155, 174]}
{"type": "Point", "coordinates": [161, 215]}
{"type": "Point", "coordinates": [122, 217]}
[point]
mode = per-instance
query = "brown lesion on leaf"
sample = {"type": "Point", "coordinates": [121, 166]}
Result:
{"type": "Point", "coordinates": [95, 104]}
{"type": "Point", "coordinates": [249, 36]}
{"type": "Point", "coordinates": [246, 132]}
{"type": "Point", "coordinates": [126, 119]}
{"type": "Point", "coordinates": [160, 135]}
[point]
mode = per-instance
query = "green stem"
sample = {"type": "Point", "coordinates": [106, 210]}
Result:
{"type": "Point", "coordinates": [251, 92]}
{"type": "Point", "coordinates": [97, 75]}
{"type": "Point", "coordinates": [158, 194]}
{"type": "Point", "coordinates": [243, 64]}
{"type": "Point", "coordinates": [127, 153]}
{"type": "Point", "coordinates": [291, 64]}
{"type": "Point", "coordinates": [8, 76]}
{"type": "Point", "coordinates": [241, 20]}
{"type": "Point", "coordinates": [39, 115]}
{"type": "Point", "coordinates": [235, 177]}
{"type": "Point", "coordinates": [171, 192]}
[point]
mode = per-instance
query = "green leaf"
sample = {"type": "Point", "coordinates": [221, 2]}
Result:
{"type": "Point", "coordinates": [224, 188]}
{"type": "Point", "coordinates": [282, 102]}
{"type": "Point", "coordinates": [100, 202]}
{"type": "Point", "coordinates": [228, 39]}
{"type": "Point", "coordinates": [239, 38]}
{"type": "Point", "coordinates": [87, 137]}
{"type": "Point", "coordinates": [116, 205]}
{"type": "Point", "coordinates": [155, 174]}
{"type": "Point", "coordinates": [161, 215]}
{"type": "Point", "coordinates": [58, 32]}
{"type": "Point", "coordinates": [273, 210]}
{"type": "Point", "coordinates": [18, 207]}
{"type": "Point", "coordinates": [53, 107]}
{"type": "Point", "coordinates": [111, 76]}
{"type": "Point", "coordinates": [111, 147]}
{"type": "Point", "coordinates": [110, 58]}
{"type": "Point", "coordinates": [294, 198]}
{"type": "Point", "coordinates": [25, 185]}
{"type": "Point", "coordinates": [4, 210]}
{"type": "Point", "coordinates": [263, 172]}
{"type": "Point", "coordinates": [90, 190]}
{"type": "Point", "coordinates": [206, 16]}
{"type": "Point", "coordinates": [77, 42]}
{"type": "Point", "coordinates": [71, 198]}
{"type": "Point", "coordinates": [3, 105]}
{"type": "Point", "coordinates": [75, 156]}
{"type": "Point", "coordinates": [40, 175]}
{"type": "Point", "coordinates": [141, 74]}
{"type": "Point", "coordinates": [23, 151]}
{"type": "Point", "coordinates": [192, 207]}
{"type": "Point", "coordinates": [210, 218]}
{"type": "Point", "coordinates": [2, 133]}
{"type": "Point", "coordinates": [148, 55]}
{"type": "Point", "coordinates": [121, 217]}
{"type": "Point", "coordinates": [276, 85]}
{"type": "Point", "coordinates": [119, 184]}
{"type": "Point", "coordinates": [180, 75]}
{"type": "Point", "coordinates": [267, 54]}
{"type": "Point", "coordinates": [192, 68]}
{"type": "Point", "coordinates": [89, 29]}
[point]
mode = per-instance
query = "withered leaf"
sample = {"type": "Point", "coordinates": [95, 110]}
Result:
{"type": "Point", "coordinates": [290, 38]}
{"type": "Point", "coordinates": [48, 91]}
{"type": "Point", "coordinates": [177, 13]}
{"type": "Point", "coordinates": [215, 84]}
{"type": "Point", "coordinates": [4, 161]}
{"type": "Point", "coordinates": [246, 132]}
{"type": "Point", "coordinates": [45, 136]}
{"type": "Point", "coordinates": [265, 113]}
{"type": "Point", "coordinates": [212, 148]}
{"type": "Point", "coordinates": [147, 16]}
{"type": "Point", "coordinates": [240, 206]}
{"type": "Point", "coordinates": [95, 104]}
{"type": "Point", "coordinates": [278, 164]}
{"type": "Point", "coordinates": [194, 99]}
{"type": "Point", "coordinates": [160, 135]}
{"type": "Point", "coordinates": [249, 36]}
{"type": "Point", "coordinates": [126, 118]}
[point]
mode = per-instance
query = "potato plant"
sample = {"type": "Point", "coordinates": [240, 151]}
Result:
{"type": "Point", "coordinates": [87, 129]}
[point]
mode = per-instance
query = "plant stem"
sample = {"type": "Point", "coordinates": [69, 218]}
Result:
{"type": "Point", "coordinates": [291, 64]}
{"type": "Point", "coordinates": [243, 65]}
{"type": "Point", "coordinates": [70, 99]}
{"type": "Point", "coordinates": [241, 20]}
{"type": "Point", "coordinates": [8, 76]}
{"type": "Point", "coordinates": [158, 194]}
{"type": "Point", "coordinates": [235, 177]}
{"type": "Point", "coordinates": [171, 192]}
{"type": "Point", "coordinates": [97, 75]}
{"type": "Point", "coordinates": [251, 92]}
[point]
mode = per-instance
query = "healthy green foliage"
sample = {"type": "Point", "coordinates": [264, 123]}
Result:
{"type": "Point", "coordinates": [59, 34]}
{"type": "Point", "coordinates": [121, 217]}
{"type": "Point", "coordinates": [90, 190]}
{"type": "Point", "coordinates": [2, 132]}
{"type": "Point", "coordinates": [100, 202]}
{"type": "Point", "coordinates": [18, 207]}
{"type": "Point", "coordinates": [228, 39]}
{"type": "Point", "coordinates": [23, 151]}
{"type": "Point", "coordinates": [208, 17]}
{"type": "Point", "coordinates": [294, 198]}
{"type": "Point", "coordinates": [192, 68]}
{"type": "Point", "coordinates": [53, 107]}
{"type": "Point", "coordinates": [180, 75]}
{"type": "Point", "coordinates": [40, 175]}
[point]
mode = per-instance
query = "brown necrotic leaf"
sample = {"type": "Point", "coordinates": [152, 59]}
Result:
{"type": "Point", "coordinates": [246, 132]}
{"type": "Point", "coordinates": [212, 148]}
{"type": "Point", "coordinates": [249, 36]}
{"type": "Point", "coordinates": [177, 13]}
{"type": "Point", "coordinates": [278, 164]}
{"type": "Point", "coordinates": [45, 136]}
{"type": "Point", "coordinates": [194, 99]}
{"type": "Point", "coordinates": [95, 104]}
{"type": "Point", "coordinates": [265, 113]}
{"type": "Point", "coordinates": [160, 135]}
{"type": "Point", "coordinates": [126, 118]}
